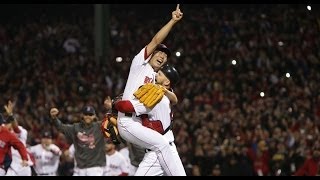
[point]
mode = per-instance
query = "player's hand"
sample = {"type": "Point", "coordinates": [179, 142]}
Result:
{"type": "Point", "coordinates": [177, 14]}
{"type": "Point", "coordinates": [24, 163]}
{"type": "Point", "coordinates": [54, 113]}
{"type": "Point", "coordinates": [107, 103]}
{"type": "Point", "coordinates": [9, 108]}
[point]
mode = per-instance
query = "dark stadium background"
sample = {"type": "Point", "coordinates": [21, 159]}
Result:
{"type": "Point", "coordinates": [223, 126]}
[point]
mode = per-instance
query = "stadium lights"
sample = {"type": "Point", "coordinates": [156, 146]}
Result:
{"type": "Point", "coordinates": [119, 59]}
{"type": "Point", "coordinates": [309, 7]}
{"type": "Point", "coordinates": [287, 75]}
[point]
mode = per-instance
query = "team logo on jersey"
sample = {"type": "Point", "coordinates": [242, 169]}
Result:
{"type": "Point", "coordinates": [86, 140]}
{"type": "Point", "coordinates": [147, 80]}
{"type": "Point", "coordinates": [2, 144]}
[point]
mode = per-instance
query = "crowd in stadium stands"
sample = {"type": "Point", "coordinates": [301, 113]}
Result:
{"type": "Point", "coordinates": [223, 124]}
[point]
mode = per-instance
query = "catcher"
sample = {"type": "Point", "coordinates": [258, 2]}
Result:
{"type": "Point", "coordinates": [109, 122]}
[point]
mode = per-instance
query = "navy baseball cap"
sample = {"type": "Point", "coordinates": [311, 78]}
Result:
{"type": "Point", "coordinates": [163, 48]}
{"type": "Point", "coordinates": [46, 134]}
{"type": "Point", "coordinates": [88, 110]}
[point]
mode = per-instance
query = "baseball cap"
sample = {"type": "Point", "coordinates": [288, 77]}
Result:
{"type": "Point", "coordinates": [163, 48]}
{"type": "Point", "coordinates": [46, 134]}
{"type": "Point", "coordinates": [88, 110]}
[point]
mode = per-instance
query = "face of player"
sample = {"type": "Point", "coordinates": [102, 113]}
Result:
{"type": "Point", "coordinates": [46, 141]}
{"type": "Point", "coordinates": [158, 59]}
{"type": "Point", "coordinates": [109, 147]}
{"type": "Point", "coordinates": [162, 79]}
{"type": "Point", "coordinates": [88, 118]}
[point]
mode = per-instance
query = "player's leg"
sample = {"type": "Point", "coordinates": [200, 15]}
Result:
{"type": "Point", "coordinates": [150, 166]}
{"type": "Point", "coordinates": [177, 159]}
{"type": "Point", "coordinates": [133, 132]}
{"type": "Point", "coordinates": [11, 172]}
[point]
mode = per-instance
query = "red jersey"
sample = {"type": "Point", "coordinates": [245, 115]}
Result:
{"type": "Point", "coordinates": [7, 139]}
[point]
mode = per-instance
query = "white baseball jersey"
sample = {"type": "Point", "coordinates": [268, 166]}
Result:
{"type": "Point", "coordinates": [125, 152]}
{"type": "Point", "coordinates": [46, 161]}
{"type": "Point", "coordinates": [116, 165]}
{"type": "Point", "coordinates": [140, 73]}
{"type": "Point", "coordinates": [131, 129]}
{"type": "Point", "coordinates": [16, 169]}
{"type": "Point", "coordinates": [150, 165]}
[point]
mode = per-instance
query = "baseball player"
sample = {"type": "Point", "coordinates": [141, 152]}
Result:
{"type": "Point", "coordinates": [16, 168]}
{"type": "Point", "coordinates": [88, 141]}
{"type": "Point", "coordinates": [159, 118]}
{"type": "Point", "coordinates": [117, 164]}
{"type": "Point", "coordinates": [46, 156]}
{"type": "Point", "coordinates": [8, 140]}
{"type": "Point", "coordinates": [150, 59]}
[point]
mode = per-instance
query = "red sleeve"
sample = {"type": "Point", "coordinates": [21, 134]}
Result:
{"type": "Point", "coordinates": [17, 144]}
{"type": "Point", "coordinates": [124, 106]}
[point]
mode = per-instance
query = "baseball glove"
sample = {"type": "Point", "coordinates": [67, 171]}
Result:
{"type": "Point", "coordinates": [110, 130]}
{"type": "Point", "coordinates": [150, 94]}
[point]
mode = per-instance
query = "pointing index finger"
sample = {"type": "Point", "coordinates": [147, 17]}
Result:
{"type": "Point", "coordinates": [178, 5]}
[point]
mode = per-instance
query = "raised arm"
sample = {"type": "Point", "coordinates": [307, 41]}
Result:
{"type": "Point", "coordinates": [164, 31]}
{"type": "Point", "coordinates": [11, 119]}
{"type": "Point", "coordinates": [66, 129]}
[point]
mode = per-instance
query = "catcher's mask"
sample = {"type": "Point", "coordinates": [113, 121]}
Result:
{"type": "Point", "coordinates": [171, 73]}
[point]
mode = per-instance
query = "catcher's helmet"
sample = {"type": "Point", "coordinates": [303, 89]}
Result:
{"type": "Point", "coordinates": [171, 73]}
{"type": "Point", "coordinates": [163, 48]}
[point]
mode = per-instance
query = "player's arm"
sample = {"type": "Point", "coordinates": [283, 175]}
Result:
{"type": "Point", "coordinates": [55, 150]}
{"type": "Point", "coordinates": [164, 31]}
{"type": "Point", "coordinates": [17, 144]}
{"type": "Point", "coordinates": [124, 106]}
{"type": "Point", "coordinates": [11, 119]}
{"type": "Point", "coordinates": [108, 104]}
{"type": "Point", "coordinates": [171, 96]}
{"type": "Point", "coordinates": [66, 129]}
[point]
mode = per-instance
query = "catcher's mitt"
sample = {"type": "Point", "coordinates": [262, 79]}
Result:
{"type": "Point", "coordinates": [150, 94]}
{"type": "Point", "coordinates": [110, 130]}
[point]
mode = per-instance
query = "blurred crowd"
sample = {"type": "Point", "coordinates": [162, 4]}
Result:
{"type": "Point", "coordinates": [249, 101]}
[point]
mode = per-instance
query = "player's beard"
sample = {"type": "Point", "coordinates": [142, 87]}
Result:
{"type": "Point", "coordinates": [87, 120]}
